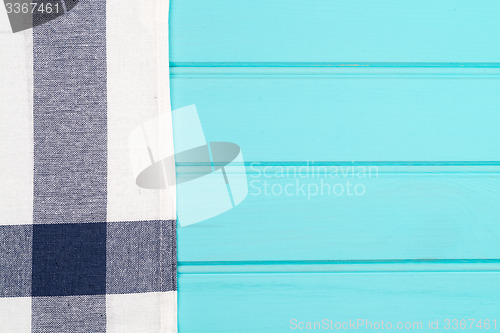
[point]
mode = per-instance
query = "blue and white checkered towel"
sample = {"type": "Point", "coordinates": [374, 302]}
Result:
{"type": "Point", "coordinates": [82, 247]}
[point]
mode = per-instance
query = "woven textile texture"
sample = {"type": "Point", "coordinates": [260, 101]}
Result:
{"type": "Point", "coordinates": [82, 247]}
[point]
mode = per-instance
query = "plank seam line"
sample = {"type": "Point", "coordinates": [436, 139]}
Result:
{"type": "Point", "coordinates": [349, 163]}
{"type": "Point", "coordinates": [339, 262]}
{"type": "Point", "coordinates": [175, 64]}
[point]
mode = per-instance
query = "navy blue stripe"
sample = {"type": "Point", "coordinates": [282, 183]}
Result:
{"type": "Point", "coordinates": [70, 118]}
{"type": "Point", "coordinates": [15, 260]}
{"type": "Point", "coordinates": [69, 314]}
{"type": "Point", "coordinates": [70, 171]}
{"type": "Point", "coordinates": [69, 259]}
{"type": "Point", "coordinates": [141, 257]}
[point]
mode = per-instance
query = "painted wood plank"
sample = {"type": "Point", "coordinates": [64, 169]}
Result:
{"type": "Point", "coordinates": [339, 266]}
{"type": "Point", "coordinates": [270, 302]}
{"type": "Point", "coordinates": [391, 212]}
{"type": "Point", "coordinates": [334, 31]}
{"type": "Point", "coordinates": [378, 118]}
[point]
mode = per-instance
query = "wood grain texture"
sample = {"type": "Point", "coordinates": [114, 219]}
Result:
{"type": "Point", "coordinates": [339, 266]}
{"type": "Point", "coordinates": [334, 31]}
{"type": "Point", "coordinates": [403, 212]}
{"type": "Point", "coordinates": [348, 119]}
{"type": "Point", "coordinates": [410, 88]}
{"type": "Point", "coordinates": [267, 302]}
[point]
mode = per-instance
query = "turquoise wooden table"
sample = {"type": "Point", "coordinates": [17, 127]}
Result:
{"type": "Point", "coordinates": [370, 136]}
